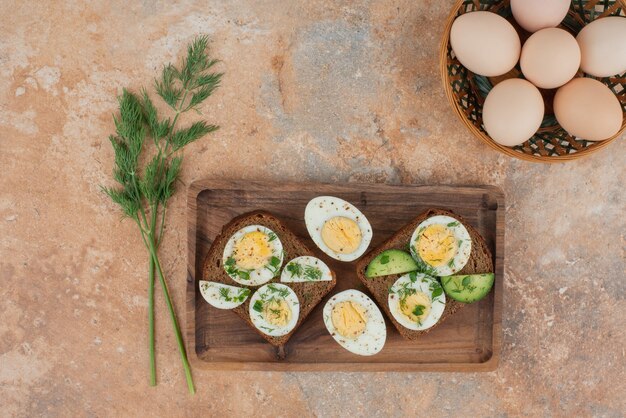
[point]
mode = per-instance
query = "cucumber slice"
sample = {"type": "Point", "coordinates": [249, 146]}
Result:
{"type": "Point", "coordinates": [390, 262]}
{"type": "Point", "coordinates": [467, 288]}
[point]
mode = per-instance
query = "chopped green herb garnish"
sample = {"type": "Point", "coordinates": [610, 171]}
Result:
{"type": "Point", "coordinates": [242, 295]}
{"type": "Point", "coordinates": [273, 264]}
{"type": "Point", "coordinates": [453, 224]}
{"type": "Point", "coordinates": [282, 292]}
{"type": "Point", "coordinates": [419, 310]}
{"type": "Point", "coordinates": [312, 273]}
{"type": "Point", "coordinates": [295, 269]}
{"type": "Point", "coordinates": [258, 306]}
{"type": "Point", "coordinates": [225, 294]}
{"type": "Point", "coordinates": [272, 236]}
{"type": "Point", "coordinates": [233, 271]}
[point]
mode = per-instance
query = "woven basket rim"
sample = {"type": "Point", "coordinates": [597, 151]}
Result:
{"type": "Point", "coordinates": [443, 58]}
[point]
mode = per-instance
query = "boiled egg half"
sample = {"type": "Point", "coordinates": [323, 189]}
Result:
{"type": "Point", "coordinates": [416, 301]}
{"type": "Point", "coordinates": [305, 269]}
{"type": "Point", "coordinates": [253, 255]}
{"type": "Point", "coordinates": [223, 296]}
{"type": "Point", "coordinates": [337, 227]}
{"type": "Point", "coordinates": [274, 309]}
{"type": "Point", "coordinates": [442, 243]}
{"type": "Point", "coordinates": [355, 322]}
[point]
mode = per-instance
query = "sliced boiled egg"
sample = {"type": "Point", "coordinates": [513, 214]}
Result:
{"type": "Point", "coordinates": [253, 255]}
{"type": "Point", "coordinates": [274, 309]}
{"type": "Point", "coordinates": [337, 227]}
{"type": "Point", "coordinates": [223, 296]}
{"type": "Point", "coordinates": [442, 243]}
{"type": "Point", "coordinates": [305, 269]}
{"type": "Point", "coordinates": [355, 322]}
{"type": "Point", "coordinates": [416, 301]}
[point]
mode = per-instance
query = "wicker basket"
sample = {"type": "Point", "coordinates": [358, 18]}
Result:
{"type": "Point", "coordinates": [466, 91]}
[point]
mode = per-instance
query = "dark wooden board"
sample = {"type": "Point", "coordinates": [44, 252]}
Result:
{"type": "Point", "coordinates": [469, 341]}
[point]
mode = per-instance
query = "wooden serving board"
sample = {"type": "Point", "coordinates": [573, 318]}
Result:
{"type": "Point", "coordinates": [469, 341]}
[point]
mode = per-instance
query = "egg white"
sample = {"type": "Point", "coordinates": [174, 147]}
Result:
{"type": "Point", "coordinates": [210, 291]}
{"type": "Point", "coordinates": [265, 273]}
{"type": "Point", "coordinates": [463, 239]}
{"type": "Point", "coordinates": [305, 260]}
{"type": "Point", "coordinates": [424, 284]}
{"type": "Point", "coordinates": [321, 209]}
{"type": "Point", "coordinates": [265, 293]}
{"type": "Point", "coordinates": [373, 338]}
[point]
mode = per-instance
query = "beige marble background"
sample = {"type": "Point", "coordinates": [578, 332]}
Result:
{"type": "Point", "coordinates": [314, 90]}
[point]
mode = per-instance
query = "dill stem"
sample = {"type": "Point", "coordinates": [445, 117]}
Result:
{"type": "Point", "coordinates": [151, 321]}
{"type": "Point", "coordinates": [151, 307]}
{"type": "Point", "coordinates": [149, 243]}
{"type": "Point", "coordinates": [170, 307]}
{"type": "Point", "coordinates": [159, 238]}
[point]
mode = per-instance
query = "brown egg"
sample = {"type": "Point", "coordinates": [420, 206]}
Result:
{"type": "Point", "coordinates": [513, 112]}
{"type": "Point", "coordinates": [550, 58]}
{"type": "Point", "coordinates": [485, 43]}
{"type": "Point", "coordinates": [588, 109]}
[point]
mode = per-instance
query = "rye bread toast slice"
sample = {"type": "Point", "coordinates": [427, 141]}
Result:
{"type": "Point", "coordinates": [480, 261]}
{"type": "Point", "coordinates": [309, 293]}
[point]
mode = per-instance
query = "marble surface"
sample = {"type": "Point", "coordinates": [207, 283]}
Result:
{"type": "Point", "coordinates": [315, 90]}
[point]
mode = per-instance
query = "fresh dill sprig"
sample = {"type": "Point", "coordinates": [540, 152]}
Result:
{"type": "Point", "coordinates": [312, 273]}
{"type": "Point", "coordinates": [143, 192]}
{"type": "Point", "coordinates": [295, 269]}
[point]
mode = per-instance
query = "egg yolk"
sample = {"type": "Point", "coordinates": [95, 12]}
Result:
{"type": "Point", "coordinates": [342, 235]}
{"type": "Point", "coordinates": [277, 312]}
{"type": "Point", "coordinates": [416, 307]}
{"type": "Point", "coordinates": [436, 245]}
{"type": "Point", "coordinates": [349, 319]}
{"type": "Point", "coordinates": [253, 251]}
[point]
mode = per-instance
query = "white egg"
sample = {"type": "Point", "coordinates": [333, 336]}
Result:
{"type": "Point", "coordinates": [223, 296]}
{"type": "Point", "coordinates": [305, 269]}
{"type": "Point", "coordinates": [460, 245]}
{"type": "Point", "coordinates": [513, 111]}
{"type": "Point", "coordinates": [420, 284]}
{"type": "Point", "coordinates": [550, 58]}
{"type": "Point", "coordinates": [264, 317]}
{"type": "Point", "coordinates": [324, 213]}
{"type": "Point", "coordinates": [269, 252]}
{"type": "Point", "coordinates": [603, 46]}
{"type": "Point", "coordinates": [485, 43]}
{"type": "Point", "coordinates": [534, 15]}
{"type": "Point", "coordinates": [373, 337]}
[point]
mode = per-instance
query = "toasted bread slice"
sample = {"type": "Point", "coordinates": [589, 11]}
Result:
{"type": "Point", "coordinates": [480, 261]}
{"type": "Point", "coordinates": [309, 293]}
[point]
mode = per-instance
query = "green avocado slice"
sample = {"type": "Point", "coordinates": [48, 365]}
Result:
{"type": "Point", "coordinates": [390, 262]}
{"type": "Point", "coordinates": [468, 288]}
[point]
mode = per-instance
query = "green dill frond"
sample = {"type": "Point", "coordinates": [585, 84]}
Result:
{"type": "Point", "coordinates": [188, 135]}
{"type": "Point", "coordinates": [211, 79]}
{"type": "Point", "coordinates": [204, 91]}
{"type": "Point", "coordinates": [129, 125]}
{"type": "Point", "coordinates": [129, 204]}
{"type": "Point", "coordinates": [125, 161]}
{"type": "Point", "coordinates": [158, 129]}
{"type": "Point", "coordinates": [196, 61]}
{"type": "Point", "coordinates": [149, 184]}
{"type": "Point", "coordinates": [167, 182]}
{"type": "Point", "coordinates": [166, 88]}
